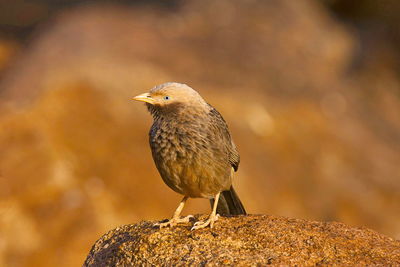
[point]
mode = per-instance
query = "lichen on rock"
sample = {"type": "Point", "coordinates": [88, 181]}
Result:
{"type": "Point", "coordinates": [245, 240]}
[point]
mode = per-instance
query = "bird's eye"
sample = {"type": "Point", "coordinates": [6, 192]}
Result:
{"type": "Point", "coordinates": [167, 97]}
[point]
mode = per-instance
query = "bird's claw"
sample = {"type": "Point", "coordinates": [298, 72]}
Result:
{"type": "Point", "coordinates": [209, 222]}
{"type": "Point", "coordinates": [174, 221]}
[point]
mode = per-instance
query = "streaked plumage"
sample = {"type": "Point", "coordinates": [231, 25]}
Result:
{"type": "Point", "coordinates": [191, 145]}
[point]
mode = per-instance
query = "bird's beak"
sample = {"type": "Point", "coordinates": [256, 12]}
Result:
{"type": "Point", "coordinates": [145, 98]}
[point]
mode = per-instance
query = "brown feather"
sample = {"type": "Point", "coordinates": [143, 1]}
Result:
{"type": "Point", "coordinates": [191, 145]}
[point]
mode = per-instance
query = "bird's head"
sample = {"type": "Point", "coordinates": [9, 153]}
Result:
{"type": "Point", "coordinates": [169, 97]}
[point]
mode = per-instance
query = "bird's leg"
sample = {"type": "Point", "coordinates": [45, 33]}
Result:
{"type": "Point", "coordinates": [211, 219]}
{"type": "Point", "coordinates": [176, 218]}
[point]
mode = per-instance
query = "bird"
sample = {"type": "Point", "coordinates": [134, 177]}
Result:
{"type": "Point", "coordinates": [193, 151]}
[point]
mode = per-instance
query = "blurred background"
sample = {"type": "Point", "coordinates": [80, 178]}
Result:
{"type": "Point", "coordinates": [310, 90]}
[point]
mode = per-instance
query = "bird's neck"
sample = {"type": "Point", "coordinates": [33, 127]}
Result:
{"type": "Point", "coordinates": [175, 111]}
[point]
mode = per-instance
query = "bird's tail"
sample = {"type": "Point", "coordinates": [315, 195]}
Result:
{"type": "Point", "coordinates": [229, 203]}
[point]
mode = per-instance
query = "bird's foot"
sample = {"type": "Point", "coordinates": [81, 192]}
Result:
{"type": "Point", "coordinates": [174, 221]}
{"type": "Point", "coordinates": [209, 222]}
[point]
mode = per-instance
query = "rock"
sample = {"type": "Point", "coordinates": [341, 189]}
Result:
{"type": "Point", "coordinates": [248, 240]}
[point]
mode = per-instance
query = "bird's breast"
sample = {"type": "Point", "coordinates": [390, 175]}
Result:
{"type": "Point", "coordinates": [188, 160]}
{"type": "Point", "coordinates": [174, 143]}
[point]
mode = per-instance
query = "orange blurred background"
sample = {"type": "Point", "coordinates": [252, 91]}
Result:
{"type": "Point", "coordinates": [310, 90]}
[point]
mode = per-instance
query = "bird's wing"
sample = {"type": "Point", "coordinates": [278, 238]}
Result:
{"type": "Point", "coordinates": [221, 126]}
{"type": "Point", "coordinates": [234, 157]}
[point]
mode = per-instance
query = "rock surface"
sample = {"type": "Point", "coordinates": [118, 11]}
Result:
{"type": "Point", "coordinates": [253, 239]}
